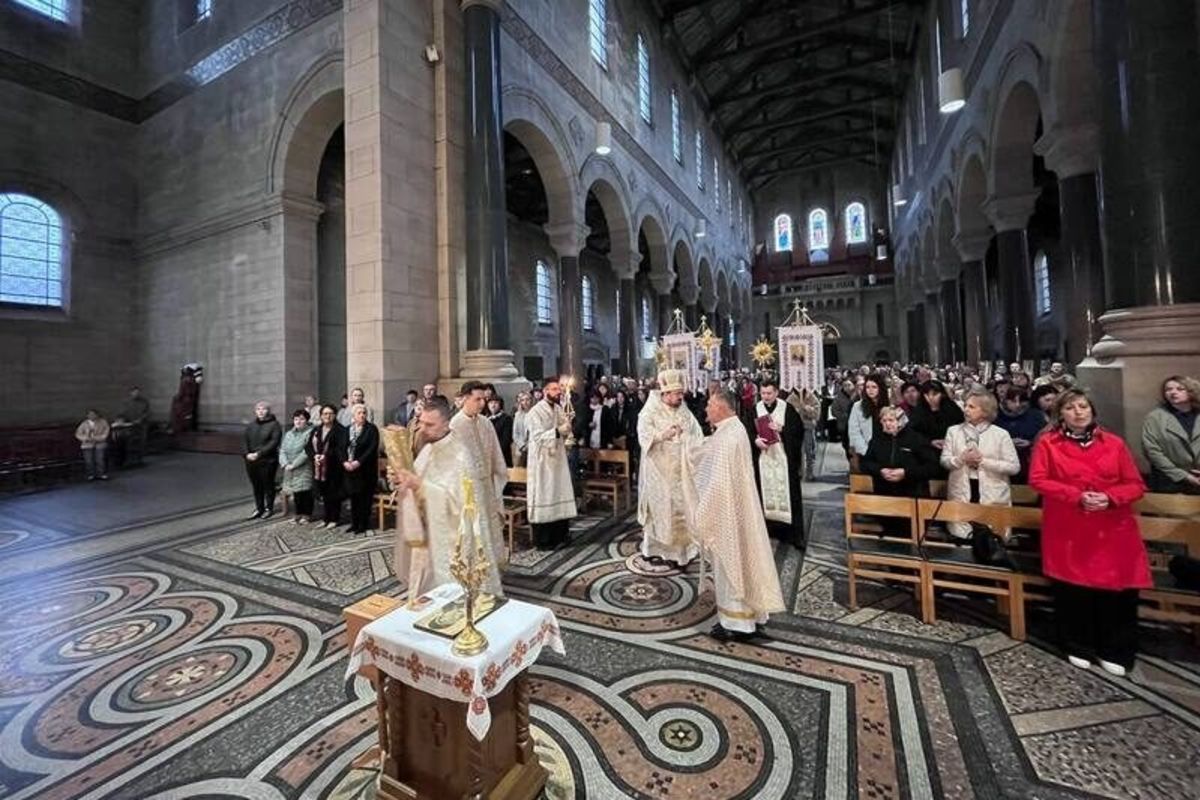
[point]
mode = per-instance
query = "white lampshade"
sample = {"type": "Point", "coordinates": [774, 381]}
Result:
{"type": "Point", "coordinates": [898, 199]}
{"type": "Point", "coordinates": [603, 138]}
{"type": "Point", "coordinates": [701, 228]}
{"type": "Point", "coordinates": [951, 97]}
{"type": "Point", "coordinates": [881, 252]}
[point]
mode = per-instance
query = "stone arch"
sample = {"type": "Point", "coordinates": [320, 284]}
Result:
{"type": "Point", "coordinates": [528, 118]}
{"type": "Point", "coordinates": [683, 259]}
{"type": "Point", "coordinates": [600, 176]}
{"type": "Point", "coordinates": [723, 298]}
{"type": "Point", "coordinates": [313, 111]}
{"type": "Point", "coordinates": [648, 220]}
{"type": "Point", "coordinates": [1014, 124]}
{"type": "Point", "coordinates": [63, 199]}
{"type": "Point", "coordinates": [707, 283]}
{"type": "Point", "coordinates": [971, 194]}
{"type": "Point", "coordinates": [947, 255]}
{"type": "Point", "coordinates": [928, 251]}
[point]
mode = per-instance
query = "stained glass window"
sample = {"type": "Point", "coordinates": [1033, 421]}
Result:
{"type": "Point", "coordinates": [964, 9]}
{"type": "Point", "coordinates": [717, 183]}
{"type": "Point", "coordinates": [598, 31]}
{"type": "Point", "coordinates": [54, 9]}
{"type": "Point", "coordinates": [856, 223]}
{"type": "Point", "coordinates": [699, 160]}
{"type": "Point", "coordinates": [589, 305]}
{"type": "Point", "coordinates": [1041, 282]}
{"type": "Point", "coordinates": [31, 240]}
{"type": "Point", "coordinates": [818, 229]}
{"type": "Point", "coordinates": [643, 72]}
{"type": "Point", "coordinates": [543, 294]}
{"type": "Point", "coordinates": [203, 9]}
{"type": "Point", "coordinates": [783, 233]}
{"type": "Point", "coordinates": [647, 329]}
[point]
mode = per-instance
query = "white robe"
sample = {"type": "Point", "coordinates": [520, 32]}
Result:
{"type": "Point", "coordinates": [550, 495]}
{"type": "Point", "coordinates": [730, 523]}
{"type": "Point", "coordinates": [773, 469]}
{"type": "Point", "coordinates": [665, 487]}
{"type": "Point", "coordinates": [490, 474]}
{"type": "Point", "coordinates": [425, 535]}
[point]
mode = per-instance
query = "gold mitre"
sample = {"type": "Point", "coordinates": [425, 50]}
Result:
{"type": "Point", "coordinates": [670, 380]}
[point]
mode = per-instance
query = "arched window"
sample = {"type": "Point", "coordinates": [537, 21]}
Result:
{"type": "Point", "coordinates": [543, 294]}
{"type": "Point", "coordinates": [203, 9]}
{"type": "Point", "coordinates": [676, 128]}
{"type": "Point", "coordinates": [731, 339]}
{"type": "Point", "coordinates": [643, 75]}
{"type": "Point", "coordinates": [598, 31]}
{"type": "Point", "coordinates": [589, 305]}
{"type": "Point", "coordinates": [1041, 282]}
{"type": "Point", "coordinates": [647, 328]}
{"type": "Point", "coordinates": [699, 160]}
{"type": "Point", "coordinates": [818, 229]}
{"type": "Point", "coordinates": [783, 233]}
{"type": "Point", "coordinates": [856, 223]}
{"type": "Point", "coordinates": [54, 9]}
{"type": "Point", "coordinates": [964, 10]}
{"type": "Point", "coordinates": [31, 252]}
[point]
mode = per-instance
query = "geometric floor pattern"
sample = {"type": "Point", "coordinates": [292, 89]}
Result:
{"type": "Point", "coordinates": [195, 655]}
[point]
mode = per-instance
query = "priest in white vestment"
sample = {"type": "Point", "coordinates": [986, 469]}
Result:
{"type": "Point", "coordinates": [730, 523]}
{"type": "Point", "coordinates": [550, 494]}
{"type": "Point", "coordinates": [667, 431]}
{"type": "Point", "coordinates": [488, 468]}
{"type": "Point", "coordinates": [429, 506]}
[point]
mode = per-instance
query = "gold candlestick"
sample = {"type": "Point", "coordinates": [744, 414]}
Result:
{"type": "Point", "coordinates": [470, 570]}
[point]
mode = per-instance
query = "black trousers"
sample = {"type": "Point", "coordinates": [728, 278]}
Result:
{"type": "Point", "coordinates": [1097, 623]}
{"type": "Point", "coordinates": [262, 480]}
{"type": "Point", "coordinates": [360, 510]}
{"type": "Point", "coordinates": [304, 503]}
{"type": "Point", "coordinates": [331, 501]}
{"type": "Point", "coordinates": [549, 535]}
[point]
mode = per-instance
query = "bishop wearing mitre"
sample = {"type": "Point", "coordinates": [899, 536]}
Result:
{"type": "Point", "coordinates": [730, 525]}
{"type": "Point", "coordinates": [429, 505]}
{"type": "Point", "coordinates": [488, 469]}
{"type": "Point", "coordinates": [550, 494]}
{"type": "Point", "coordinates": [778, 440]}
{"type": "Point", "coordinates": [667, 431]}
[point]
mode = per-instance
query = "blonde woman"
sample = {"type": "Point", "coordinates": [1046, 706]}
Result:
{"type": "Point", "coordinates": [520, 434]}
{"type": "Point", "coordinates": [981, 458]}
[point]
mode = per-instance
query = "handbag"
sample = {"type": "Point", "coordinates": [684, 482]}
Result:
{"type": "Point", "coordinates": [988, 549]}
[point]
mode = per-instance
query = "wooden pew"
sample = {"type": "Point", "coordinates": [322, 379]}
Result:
{"type": "Point", "coordinates": [607, 475]}
{"type": "Point", "coordinates": [882, 556]}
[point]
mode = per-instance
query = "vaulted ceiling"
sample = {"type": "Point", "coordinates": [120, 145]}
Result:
{"type": "Point", "coordinates": [796, 85]}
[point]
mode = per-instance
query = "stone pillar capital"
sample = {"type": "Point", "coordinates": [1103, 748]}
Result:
{"type": "Point", "coordinates": [294, 205]}
{"type": "Point", "coordinates": [972, 245]}
{"type": "Point", "coordinates": [1011, 212]}
{"type": "Point", "coordinates": [626, 266]}
{"type": "Point", "coordinates": [947, 266]}
{"type": "Point", "coordinates": [662, 281]}
{"type": "Point", "coordinates": [568, 238]}
{"type": "Point", "coordinates": [1070, 151]}
{"type": "Point", "coordinates": [494, 5]}
{"type": "Point", "coordinates": [689, 293]}
{"type": "Point", "coordinates": [708, 299]}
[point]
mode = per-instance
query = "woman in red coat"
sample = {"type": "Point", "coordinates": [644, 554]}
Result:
{"type": "Point", "coordinates": [1091, 543]}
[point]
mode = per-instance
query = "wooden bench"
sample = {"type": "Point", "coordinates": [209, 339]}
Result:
{"type": "Point", "coordinates": [518, 483]}
{"type": "Point", "coordinates": [874, 553]}
{"type": "Point", "coordinates": [607, 475]}
{"type": "Point", "coordinates": [950, 566]}
{"type": "Point", "coordinates": [1022, 495]}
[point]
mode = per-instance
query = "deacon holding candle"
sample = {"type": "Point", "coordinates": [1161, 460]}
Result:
{"type": "Point", "coordinates": [550, 496]}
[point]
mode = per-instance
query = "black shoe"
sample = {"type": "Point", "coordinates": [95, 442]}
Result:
{"type": "Point", "coordinates": [255, 515]}
{"type": "Point", "coordinates": [268, 514]}
{"type": "Point", "coordinates": [655, 560]}
{"type": "Point", "coordinates": [719, 633]}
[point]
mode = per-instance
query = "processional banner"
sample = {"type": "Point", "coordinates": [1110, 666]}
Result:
{"type": "Point", "coordinates": [801, 358]}
{"type": "Point", "coordinates": [683, 353]}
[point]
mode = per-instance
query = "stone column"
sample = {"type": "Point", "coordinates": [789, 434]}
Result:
{"type": "Point", "coordinates": [391, 223]}
{"type": "Point", "coordinates": [1018, 327]}
{"type": "Point", "coordinates": [690, 295]}
{"type": "Point", "coordinates": [662, 283]}
{"type": "Point", "coordinates": [487, 355]}
{"type": "Point", "coordinates": [568, 240]}
{"type": "Point", "coordinates": [972, 247]}
{"type": "Point", "coordinates": [952, 330]}
{"type": "Point", "coordinates": [628, 311]}
{"type": "Point", "coordinates": [934, 323]}
{"type": "Point", "coordinates": [1147, 57]}
{"type": "Point", "coordinates": [1077, 280]}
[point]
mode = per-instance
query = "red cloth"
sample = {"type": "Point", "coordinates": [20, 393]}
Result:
{"type": "Point", "coordinates": [765, 432]}
{"type": "Point", "coordinates": [1099, 549]}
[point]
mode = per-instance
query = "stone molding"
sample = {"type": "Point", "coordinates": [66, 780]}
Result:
{"type": "Point", "coordinates": [494, 5]}
{"type": "Point", "coordinates": [1070, 151]}
{"type": "Point", "coordinates": [1172, 330]}
{"type": "Point", "coordinates": [1011, 212]}
{"type": "Point", "coordinates": [567, 238]}
{"type": "Point", "coordinates": [971, 245]}
{"type": "Point", "coordinates": [261, 210]}
{"type": "Point", "coordinates": [662, 282]}
{"type": "Point", "coordinates": [689, 293]}
{"type": "Point", "coordinates": [626, 269]}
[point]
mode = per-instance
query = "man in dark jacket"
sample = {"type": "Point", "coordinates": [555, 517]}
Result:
{"type": "Point", "coordinates": [504, 426]}
{"type": "Point", "coordinates": [263, 436]}
{"type": "Point", "coordinates": [789, 444]}
{"type": "Point", "coordinates": [1023, 423]}
{"type": "Point", "coordinates": [898, 458]}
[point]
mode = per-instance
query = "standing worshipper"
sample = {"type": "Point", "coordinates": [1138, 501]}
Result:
{"type": "Point", "coordinates": [430, 502]}
{"type": "Point", "coordinates": [327, 450]}
{"type": "Point", "coordinates": [361, 467]}
{"type": "Point", "coordinates": [550, 496]}
{"type": "Point", "coordinates": [136, 414]}
{"type": "Point", "coordinates": [297, 466]}
{"type": "Point", "coordinates": [262, 437]}
{"type": "Point", "coordinates": [357, 398]}
{"type": "Point", "coordinates": [503, 423]}
{"type": "Point", "coordinates": [778, 442]}
{"type": "Point", "coordinates": [667, 431]}
{"type": "Point", "coordinates": [730, 524]}
{"type": "Point", "coordinates": [490, 473]}
{"type": "Point", "coordinates": [520, 434]}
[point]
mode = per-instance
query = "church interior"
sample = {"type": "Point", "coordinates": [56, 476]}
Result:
{"type": "Point", "coordinates": [226, 204]}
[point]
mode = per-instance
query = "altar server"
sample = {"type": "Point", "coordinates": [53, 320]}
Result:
{"type": "Point", "coordinates": [550, 495]}
{"type": "Point", "coordinates": [488, 469]}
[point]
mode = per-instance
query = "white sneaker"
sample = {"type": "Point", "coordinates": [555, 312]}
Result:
{"type": "Point", "coordinates": [1082, 663]}
{"type": "Point", "coordinates": [1113, 669]}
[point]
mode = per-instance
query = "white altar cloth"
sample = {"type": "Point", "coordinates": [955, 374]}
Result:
{"type": "Point", "coordinates": [516, 634]}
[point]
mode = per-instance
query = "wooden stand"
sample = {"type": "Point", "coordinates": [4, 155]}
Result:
{"type": "Point", "coordinates": [426, 751]}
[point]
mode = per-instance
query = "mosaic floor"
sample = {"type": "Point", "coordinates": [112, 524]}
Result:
{"type": "Point", "coordinates": [178, 652]}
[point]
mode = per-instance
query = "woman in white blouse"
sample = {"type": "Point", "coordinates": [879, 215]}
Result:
{"type": "Point", "coordinates": [981, 458]}
{"type": "Point", "coordinates": [520, 439]}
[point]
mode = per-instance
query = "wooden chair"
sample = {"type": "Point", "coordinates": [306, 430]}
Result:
{"type": "Point", "coordinates": [514, 512]}
{"type": "Point", "coordinates": [518, 483]}
{"type": "Point", "coordinates": [607, 475]}
{"type": "Point", "coordinates": [882, 556]}
{"type": "Point", "coordinates": [953, 567]}
{"type": "Point", "coordinates": [862, 484]}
